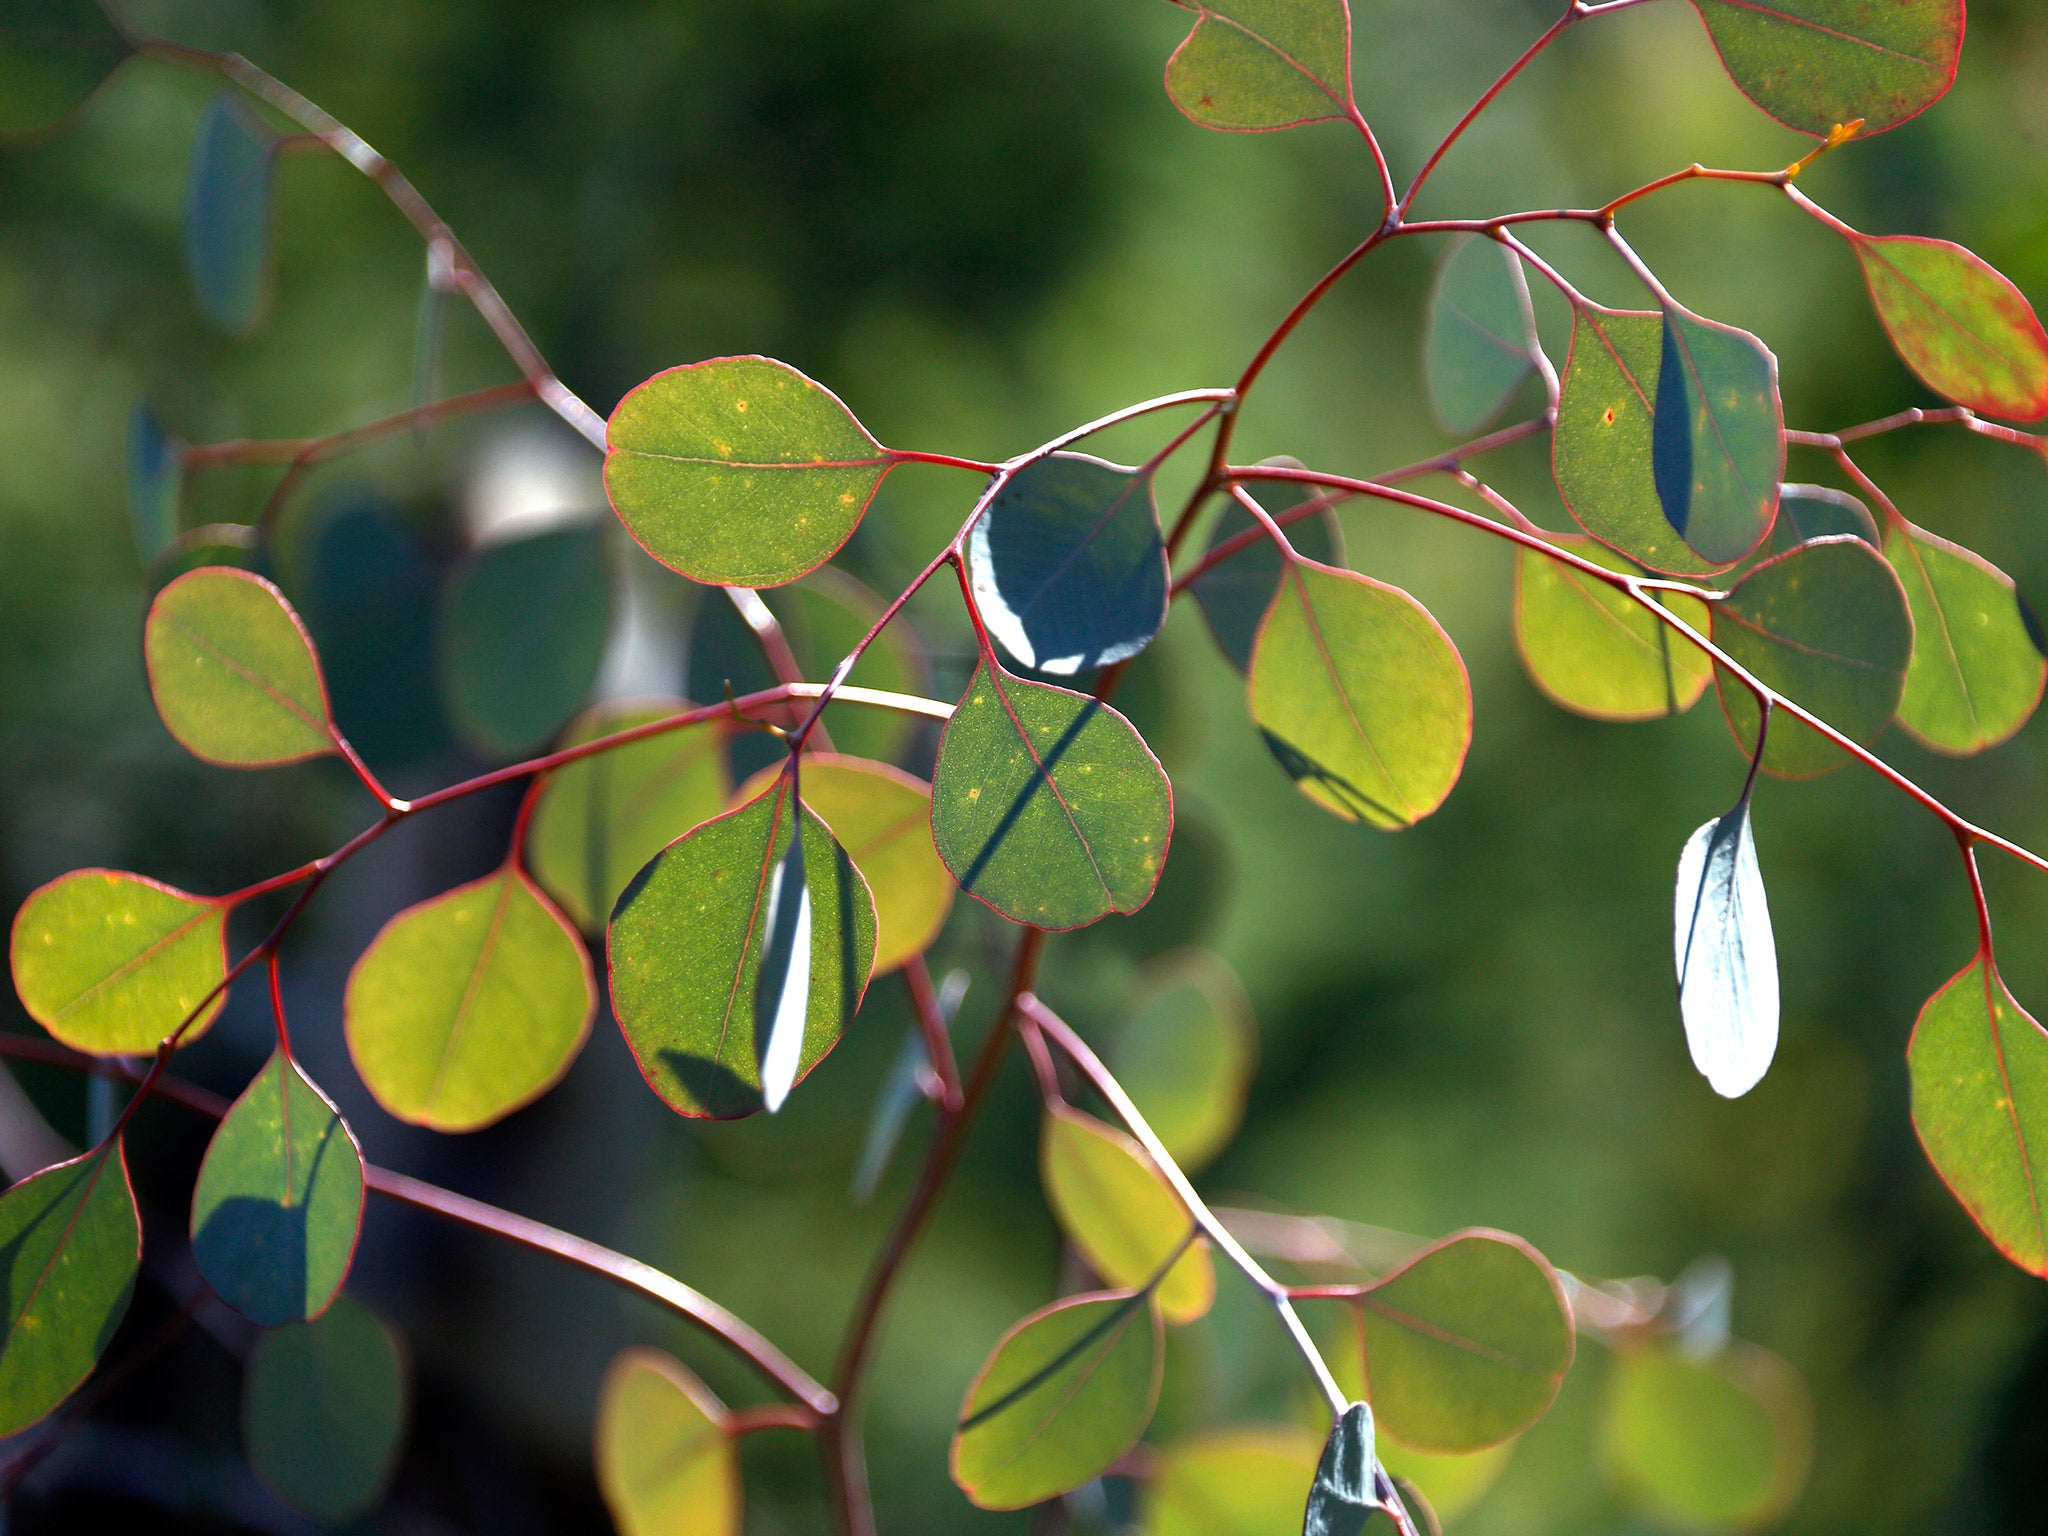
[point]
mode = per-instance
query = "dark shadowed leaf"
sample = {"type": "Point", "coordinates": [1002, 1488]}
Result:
{"type": "Point", "coordinates": [601, 818]}
{"type": "Point", "coordinates": [1061, 1397]}
{"type": "Point", "coordinates": [1597, 651]}
{"type": "Point", "coordinates": [1466, 1343]}
{"type": "Point", "coordinates": [1118, 1209]}
{"type": "Point", "coordinates": [1727, 960]}
{"type": "Point", "coordinates": [1250, 65]}
{"type": "Point", "coordinates": [1814, 63]}
{"type": "Point", "coordinates": [1250, 1480]}
{"type": "Point", "coordinates": [687, 947]}
{"type": "Point", "coordinates": [665, 1463]}
{"type": "Point", "coordinates": [1481, 337]}
{"type": "Point", "coordinates": [467, 1006]}
{"type": "Point", "coordinates": [111, 963]}
{"type": "Point", "coordinates": [1360, 695]}
{"type": "Point", "coordinates": [155, 482]}
{"type": "Point", "coordinates": [1187, 1052]}
{"type": "Point", "coordinates": [1959, 323]}
{"type": "Point", "coordinates": [233, 672]}
{"type": "Point", "coordinates": [523, 628]}
{"type": "Point", "coordinates": [1977, 669]}
{"type": "Point", "coordinates": [70, 1243]}
{"type": "Point", "coordinates": [1236, 594]}
{"type": "Point", "coordinates": [1046, 804]}
{"type": "Point", "coordinates": [53, 55]}
{"type": "Point", "coordinates": [740, 470]}
{"type": "Point", "coordinates": [1345, 1490]}
{"type": "Point", "coordinates": [227, 212]}
{"type": "Point", "coordinates": [323, 1411]}
{"type": "Point", "coordinates": [1717, 439]}
{"type": "Point", "coordinates": [279, 1200]}
{"type": "Point", "coordinates": [1817, 512]}
{"type": "Point", "coordinates": [1827, 627]}
{"type": "Point", "coordinates": [1979, 1067]}
{"type": "Point", "coordinates": [1069, 569]}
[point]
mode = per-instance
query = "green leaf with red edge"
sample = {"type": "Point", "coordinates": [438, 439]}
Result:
{"type": "Point", "coordinates": [1827, 627]}
{"type": "Point", "coordinates": [1360, 695]}
{"type": "Point", "coordinates": [1120, 1212]}
{"type": "Point", "coordinates": [470, 1005]}
{"type": "Point", "coordinates": [1245, 1480]}
{"type": "Point", "coordinates": [1480, 339]}
{"type": "Point", "coordinates": [233, 672]}
{"type": "Point", "coordinates": [1467, 1343]}
{"type": "Point", "coordinates": [1717, 436]}
{"type": "Point", "coordinates": [1046, 804]}
{"type": "Point", "coordinates": [53, 55]}
{"type": "Point", "coordinates": [740, 471]}
{"type": "Point", "coordinates": [1062, 1396]}
{"type": "Point", "coordinates": [1596, 651]}
{"type": "Point", "coordinates": [1959, 323]}
{"type": "Point", "coordinates": [1187, 1052]}
{"type": "Point", "coordinates": [1808, 512]}
{"type": "Point", "coordinates": [1253, 65]}
{"type": "Point", "coordinates": [687, 943]}
{"type": "Point", "coordinates": [1977, 667]}
{"type": "Point", "coordinates": [1813, 64]}
{"type": "Point", "coordinates": [1236, 594]}
{"type": "Point", "coordinates": [227, 212]}
{"type": "Point", "coordinates": [70, 1244]}
{"type": "Point", "coordinates": [665, 1462]}
{"type": "Point", "coordinates": [1979, 1069]}
{"type": "Point", "coordinates": [111, 963]}
{"type": "Point", "coordinates": [279, 1200]}
{"type": "Point", "coordinates": [324, 1409]}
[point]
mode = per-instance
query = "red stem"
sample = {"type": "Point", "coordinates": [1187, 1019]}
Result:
{"type": "Point", "coordinates": [938, 1038]}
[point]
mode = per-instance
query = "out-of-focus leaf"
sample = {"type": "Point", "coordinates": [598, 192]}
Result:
{"type": "Point", "coordinates": [53, 55]}
{"type": "Point", "coordinates": [1252, 65]}
{"type": "Point", "coordinates": [70, 1243]}
{"type": "Point", "coordinates": [323, 1411]}
{"type": "Point", "coordinates": [1979, 1068]}
{"type": "Point", "coordinates": [1451, 1484]}
{"type": "Point", "coordinates": [1595, 650]}
{"type": "Point", "coordinates": [901, 1091]}
{"type": "Point", "coordinates": [469, 1005]}
{"type": "Point", "coordinates": [1251, 1480]}
{"type": "Point", "coordinates": [111, 963]}
{"type": "Point", "coordinates": [1977, 668]}
{"type": "Point", "coordinates": [1466, 1343]}
{"type": "Point", "coordinates": [1046, 804]}
{"type": "Point", "coordinates": [1345, 1490]}
{"type": "Point", "coordinates": [740, 471]}
{"type": "Point", "coordinates": [279, 1199]}
{"type": "Point", "coordinates": [155, 481]}
{"type": "Point", "coordinates": [1187, 1052]}
{"type": "Point", "coordinates": [1480, 341]}
{"type": "Point", "coordinates": [1717, 439]}
{"type": "Point", "coordinates": [687, 944]}
{"type": "Point", "coordinates": [1360, 695]}
{"type": "Point", "coordinates": [1727, 960]}
{"type": "Point", "coordinates": [665, 1463]}
{"type": "Point", "coordinates": [1068, 566]}
{"type": "Point", "coordinates": [523, 628]}
{"type": "Point", "coordinates": [1813, 64]}
{"type": "Point", "coordinates": [1718, 1445]}
{"type": "Point", "coordinates": [227, 212]}
{"type": "Point", "coordinates": [1817, 512]}
{"type": "Point", "coordinates": [1827, 627]}
{"type": "Point", "coordinates": [601, 818]}
{"type": "Point", "coordinates": [1061, 1397]}
{"type": "Point", "coordinates": [1959, 323]}
{"type": "Point", "coordinates": [233, 672]}
{"type": "Point", "coordinates": [1118, 1209]}
{"type": "Point", "coordinates": [1236, 594]}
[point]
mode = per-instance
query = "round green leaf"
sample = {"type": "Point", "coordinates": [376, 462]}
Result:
{"type": "Point", "coordinates": [468, 1006]}
{"type": "Point", "coordinates": [882, 818]}
{"type": "Point", "coordinates": [664, 1461]}
{"type": "Point", "coordinates": [1813, 64]}
{"type": "Point", "coordinates": [233, 672]}
{"type": "Point", "coordinates": [1959, 323]}
{"type": "Point", "coordinates": [1596, 651]}
{"type": "Point", "coordinates": [1251, 1480]}
{"type": "Point", "coordinates": [1808, 512]}
{"type": "Point", "coordinates": [1068, 566]}
{"type": "Point", "coordinates": [156, 478]}
{"type": "Point", "coordinates": [1467, 1343]}
{"type": "Point", "coordinates": [1360, 695]}
{"type": "Point", "coordinates": [1252, 65]}
{"type": "Point", "coordinates": [1719, 1444]}
{"type": "Point", "coordinates": [323, 1411]}
{"type": "Point", "coordinates": [1118, 1209]}
{"type": "Point", "coordinates": [71, 1243]}
{"type": "Point", "coordinates": [687, 944]}
{"type": "Point", "coordinates": [53, 55]}
{"type": "Point", "coordinates": [1827, 627]}
{"type": "Point", "coordinates": [1979, 1069]}
{"type": "Point", "coordinates": [227, 212]}
{"type": "Point", "coordinates": [1977, 670]}
{"type": "Point", "coordinates": [1046, 804]}
{"type": "Point", "coordinates": [523, 629]}
{"type": "Point", "coordinates": [279, 1199]}
{"type": "Point", "coordinates": [112, 963]}
{"type": "Point", "coordinates": [1717, 437]}
{"type": "Point", "coordinates": [1480, 337]}
{"type": "Point", "coordinates": [1451, 1484]}
{"type": "Point", "coordinates": [1063, 1395]}
{"type": "Point", "coordinates": [1186, 1053]}
{"type": "Point", "coordinates": [1236, 594]}
{"type": "Point", "coordinates": [602, 817]}
{"type": "Point", "coordinates": [740, 471]}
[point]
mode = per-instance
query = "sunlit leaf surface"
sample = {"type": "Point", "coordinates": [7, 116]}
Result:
{"type": "Point", "coordinates": [1817, 512]}
{"type": "Point", "coordinates": [1250, 65]}
{"type": "Point", "coordinates": [1242, 1481]}
{"type": "Point", "coordinates": [1717, 439]}
{"type": "Point", "coordinates": [227, 212]}
{"type": "Point", "coordinates": [1814, 63]}
{"type": "Point", "coordinates": [1727, 960]}
{"type": "Point", "coordinates": [1186, 1053]}
{"type": "Point", "coordinates": [1597, 651]}
{"type": "Point", "coordinates": [1451, 1484]}
{"type": "Point", "coordinates": [1236, 594]}
{"type": "Point", "coordinates": [1959, 323]}
{"type": "Point", "coordinates": [1480, 337]}
{"type": "Point", "coordinates": [1120, 1212]}
{"type": "Point", "coordinates": [323, 1411]}
{"type": "Point", "coordinates": [664, 1461]}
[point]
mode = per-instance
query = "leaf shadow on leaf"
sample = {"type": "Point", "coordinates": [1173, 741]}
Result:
{"type": "Point", "coordinates": [257, 1248]}
{"type": "Point", "coordinates": [1304, 769]}
{"type": "Point", "coordinates": [1040, 780]}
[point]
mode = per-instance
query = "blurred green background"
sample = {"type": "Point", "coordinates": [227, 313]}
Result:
{"type": "Point", "coordinates": [981, 222]}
